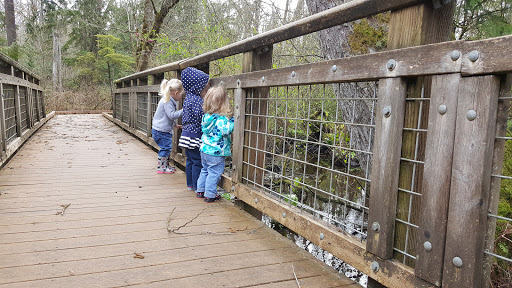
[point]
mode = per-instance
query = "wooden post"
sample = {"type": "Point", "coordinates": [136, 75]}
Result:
{"type": "Point", "coordinates": [436, 180]}
{"type": "Point", "coordinates": [259, 59]}
{"type": "Point", "coordinates": [386, 162]}
{"type": "Point", "coordinates": [17, 110]}
{"type": "Point", "coordinates": [470, 182]}
{"type": "Point", "coordinates": [238, 135]}
{"type": "Point", "coordinates": [27, 107]}
{"type": "Point", "coordinates": [2, 119]}
{"type": "Point", "coordinates": [42, 105]}
{"type": "Point", "coordinates": [413, 26]}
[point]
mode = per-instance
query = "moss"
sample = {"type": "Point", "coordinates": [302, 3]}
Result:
{"type": "Point", "coordinates": [369, 35]}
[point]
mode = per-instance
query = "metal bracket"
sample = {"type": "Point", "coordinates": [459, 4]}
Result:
{"type": "Point", "coordinates": [262, 50]}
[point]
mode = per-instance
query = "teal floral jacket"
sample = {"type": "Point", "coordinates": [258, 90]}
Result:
{"type": "Point", "coordinates": [216, 140]}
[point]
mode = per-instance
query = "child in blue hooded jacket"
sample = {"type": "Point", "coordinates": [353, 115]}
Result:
{"type": "Point", "coordinates": [195, 83]}
{"type": "Point", "coordinates": [217, 126]}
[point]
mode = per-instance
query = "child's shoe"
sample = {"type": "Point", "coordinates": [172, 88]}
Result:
{"type": "Point", "coordinates": [163, 166]}
{"type": "Point", "coordinates": [200, 194]}
{"type": "Point", "coordinates": [209, 200]}
{"type": "Point", "coordinates": [190, 188]}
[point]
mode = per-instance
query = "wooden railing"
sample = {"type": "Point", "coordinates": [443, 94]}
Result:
{"type": "Point", "coordinates": [436, 135]}
{"type": "Point", "coordinates": [22, 109]}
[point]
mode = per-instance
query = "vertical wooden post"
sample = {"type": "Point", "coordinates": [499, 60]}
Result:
{"type": "Point", "coordinates": [470, 182]}
{"type": "Point", "coordinates": [436, 180]}
{"type": "Point", "coordinates": [413, 26]}
{"type": "Point", "coordinates": [27, 107]}
{"type": "Point", "coordinates": [43, 107]}
{"type": "Point", "coordinates": [17, 110]}
{"type": "Point", "coordinates": [259, 59]}
{"type": "Point", "coordinates": [36, 103]}
{"type": "Point", "coordinates": [497, 166]}
{"type": "Point", "coordinates": [2, 119]}
{"type": "Point", "coordinates": [177, 132]}
{"type": "Point", "coordinates": [238, 134]}
{"type": "Point", "coordinates": [386, 162]}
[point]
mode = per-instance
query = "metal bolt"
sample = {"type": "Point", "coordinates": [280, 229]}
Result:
{"type": "Point", "coordinates": [376, 227]}
{"type": "Point", "coordinates": [473, 55]}
{"type": "Point", "coordinates": [233, 188]}
{"type": "Point", "coordinates": [455, 55]}
{"type": "Point", "coordinates": [428, 246]}
{"type": "Point", "coordinates": [391, 65]}
{"type": "Point", "coordinates": [471, 115]}
{"type": "Point", "coordinates": [457, 262]}
{"type": "Point", "coordinates": [441, 109]}
{"type": "Point", "coordinates": [263, 79]}
{"type": "Point", "coordinates": [322, 236]}
{"type": "Point", "coordinates": [334, 68]}
{"type": "Point", "coordinates": [386, 111]}
{"type": "Point", "coordinates": [293, 73]}
{"type": "Point", "coordinates": [234, 167]}
{"type": "Point", "coordinates": [375, 266]}
{"type": "Point", "coordinates": [236, 106]}
{"type": "Point", "coordinates": [238, 82]}
{"type": "Point", "coordinates": [256, 200]}
{"type": "Point", "coordinates": [284, 215]}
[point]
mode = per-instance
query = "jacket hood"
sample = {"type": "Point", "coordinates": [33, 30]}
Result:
{"type": "Point", "coordinates": [194, 80]}
{"type": "Point", "coordinates": [209, 122]}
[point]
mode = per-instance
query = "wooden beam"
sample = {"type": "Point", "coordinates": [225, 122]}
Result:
{"type": "Point", "coordinates": [386, 162]}
{"type": "Point", "coordinates": [490, 56]}
{"type": "Point", "coordinates": [238, 135]}
{"type": "Point", "coordinates": [470, 182]}
{"type": "Point", "coordinates": [437, 172]}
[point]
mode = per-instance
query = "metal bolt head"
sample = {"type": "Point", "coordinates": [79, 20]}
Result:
{"type": "Point", "coordinates": [375, 266]}
{"type": "Point", "coordinates": [293, 73]}
{"type": "Point", "coordinates": [442, 109]}
{"type": "Point", "coordinates": [334, 68]}
{"type": "Point", "coordinates": [262, 79]}
{"type": "Point", "coordinates": [455, 55]}
{"type": "Point", "coordinates": [376, 227]}
{"type": "Point", "coordinates": [238, 82]}
{"type": "Point", "coordinates": [236, 106]}
{"type": "Point", "coordinates": [471, 115]}
{"type": "Point", "coordinates": [322, 236]}
{"type": "Point", "coordinates": [457, 262]}
{"type": "Point", "coordinates": [473, 55]}
{"type": "Point", "coordinates": [391, 65]}
{"type": "Point", "coordinates": [256, 200]}
{"type": "Point", "coordinates": [284, 215]}
{"type": "Point", "coordinates": [386, 111]}
{"type": "Point", "coordinates": [233, 188]}
{"type": "Point", "coordinates": [428, 246]}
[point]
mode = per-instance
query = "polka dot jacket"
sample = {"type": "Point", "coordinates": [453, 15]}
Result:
{"type": "Point", "coordinates": [194, 81]}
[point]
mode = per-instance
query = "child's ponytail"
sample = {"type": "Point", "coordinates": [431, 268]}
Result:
{"type": "Point", "coordinates": [167, 85]}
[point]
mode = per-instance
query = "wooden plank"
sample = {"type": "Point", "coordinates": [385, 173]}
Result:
{"type": "Point", "coordinates": [386, 162]}
{"type": "Point", "coordinates": [343, 13]}
{"type": "Point", "coordinates": [238, 135]}
{"type": "Point", "coordinates": [491, 56]}
{"type": "Point", "coordinates": [153, 71]}
{"type": "Point", "coordinates": [415, 61]}
{"type": "Point", "coordinates": [142, 89]}
{"type": "Point", "coordinates": [497, 165]}
{"type": "Point", "coordinates": [470, 183]}
{"type": "Point", "coordinates": [341, 245]}
{"type": "Point", "coordinates": [15, 64]}
{"type": "Point", "coordinates": [436, 180]}
{"type": "Point", "coordinates": [12, 80]}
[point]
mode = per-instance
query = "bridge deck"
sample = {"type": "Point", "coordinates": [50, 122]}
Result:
{"type": "Point", "coordinates": [115, 231]}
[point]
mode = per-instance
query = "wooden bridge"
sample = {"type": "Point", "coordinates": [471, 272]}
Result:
{"type": "Point", "coordinates": [391, 162]}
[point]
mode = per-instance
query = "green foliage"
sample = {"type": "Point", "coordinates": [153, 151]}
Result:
{"type": "Point", "coordinates": [367, 37]}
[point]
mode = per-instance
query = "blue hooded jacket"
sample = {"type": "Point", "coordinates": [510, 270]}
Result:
{"type": "Point", "coordinates": [194, 81]}
{"type": "Point", "coordinates": [216, 134]}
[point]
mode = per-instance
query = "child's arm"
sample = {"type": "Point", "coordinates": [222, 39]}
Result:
{"type": "Point", "coordinates": [171, 112]}
{"type": "Point", "coordinates": [226, 126]}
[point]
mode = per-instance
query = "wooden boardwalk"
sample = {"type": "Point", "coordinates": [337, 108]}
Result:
{"type": "Point", "coordinates": [82, 206]}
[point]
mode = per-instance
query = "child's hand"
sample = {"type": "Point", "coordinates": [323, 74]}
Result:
{"type": "Point", "coordinates": [178, 126]}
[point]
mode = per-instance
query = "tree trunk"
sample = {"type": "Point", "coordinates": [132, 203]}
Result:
{"type": "Point", "coordinates": [334, 44]}
{"type": "Point", "coordinates": [57, 64]}
{"type": "Point", "coordinates": [151, 25]}
{"type": "Point", "coordinates": [10, 23]}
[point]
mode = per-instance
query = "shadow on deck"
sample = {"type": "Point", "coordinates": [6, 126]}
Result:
{"type": "Point", "coordinates": [82, 206]}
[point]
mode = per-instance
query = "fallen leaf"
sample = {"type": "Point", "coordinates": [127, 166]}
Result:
{"type": "Point", "coordinates": [138, 255]}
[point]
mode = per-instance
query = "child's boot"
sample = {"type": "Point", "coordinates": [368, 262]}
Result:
{"type": "Point", "coordinates": [169, 167]}
{"type": "Point", "coordinates": [163, 166]}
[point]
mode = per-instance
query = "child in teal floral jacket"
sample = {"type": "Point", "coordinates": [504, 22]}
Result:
{"type": "Point", "coordinates": [217, 126]}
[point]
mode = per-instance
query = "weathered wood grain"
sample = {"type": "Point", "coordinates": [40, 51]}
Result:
{"type": "Point", "coordinates": [470, 183]}
{"type": "Point", "coordinates": [385, 167]}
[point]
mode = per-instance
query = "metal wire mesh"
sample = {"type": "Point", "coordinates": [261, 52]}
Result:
{"type": "Point", "coordinates": [9, 112]}
{"type": "Point", "coordinates": [126, 109]}
{"type": "Point", "coordinates": [34, 105]}
{"type": "Point", "coordinates": [155, 98]}
{"type": "Point", "coordinates": [118, 106]}
{"type": "Point", "coordinates": [142, 111]}
{"type": "Point", "coordinates": [40, 105]}
{"type": "Point", "coordinates": [411, 175]}
{"type": "Point", "coordinates": [311, 147]}
{"type": "Point", "coordinates": [23, 108]}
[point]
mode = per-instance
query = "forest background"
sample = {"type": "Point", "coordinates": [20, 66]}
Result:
{"type": "Point", "coordinates": [78, 47]}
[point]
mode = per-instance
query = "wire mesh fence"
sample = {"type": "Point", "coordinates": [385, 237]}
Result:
{"type": "Point", "coordinates": [118, 105]}
{"type": "Point", "coordinates": [23, 108]}
{"type": "Point", "coordinates": [142, 111]}
{"type": "Point", "coordinates": [9, 113]}
{"type": "Point", "coordinates": [125, 107]}
{"type": "Point", "coordinates": [34, 105]}
{"type": "Point", "coordinates": [311, 147]}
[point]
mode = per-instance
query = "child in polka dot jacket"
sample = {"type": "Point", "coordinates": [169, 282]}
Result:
{"type": "Point", "coordinates": [196, 84]}
{"type": "Point", "coordinates": [164, 121]}
{"type": "Point", "coordinates": [217, 126]}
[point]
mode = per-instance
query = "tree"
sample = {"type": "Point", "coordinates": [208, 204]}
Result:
{"type": "Point", "coordinates": [114, 62]}
{"type": "Point", "coordinates": [478, 19]}
{"type": "Point", "coordinates": [10, 22]}
{"type": "Point", "coordinates": [151, 25]}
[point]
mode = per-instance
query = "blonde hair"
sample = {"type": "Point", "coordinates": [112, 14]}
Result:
{"type": "Point", "coordinates": [216, 101]}
{"type": "Point", "coordinates": [167, 85]}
